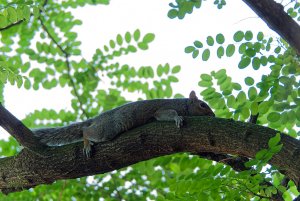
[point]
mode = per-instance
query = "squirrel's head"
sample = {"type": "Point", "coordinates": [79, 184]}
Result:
{"type": "Point", "coordinates": [198, 107]}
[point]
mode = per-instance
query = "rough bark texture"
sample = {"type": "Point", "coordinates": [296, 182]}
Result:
{"type": "Point", "coordinates": [198, 135]}
{"type": "Point", "coordinates": [278, 20]}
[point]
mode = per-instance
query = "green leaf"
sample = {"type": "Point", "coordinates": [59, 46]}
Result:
{"type": "Point", "coordinates": [26, 12]}
{"type": "Point", "coordinates": [248, 35]}
{"type": "Point", "coordinates": [220, 52]}
{"type": "Point", "coordinates": [173, 13]}
{"type": "Point", "coordinates": [260, 36]}
{"type": "Point", "coordinates": [231, 101]}
{"type": "Point", "coordinates": [195, 53]}
{"type": "Point", "coordinates": [255, 63]}
{"type": "Point", "coordinates": [189, 49]}
{"type": "Point", "coordinates": [252, 93]}
{"type": "Point", "coordinates": [3, 21]}
{"type": "Point", "coordinates": [198, 44]}
{"type": "Point", "coordinates": [244, 62]}
{"type": "Point", "coordinates": [148, 38]}
{"type": "Point", "coordinates": [112, 44]}
{"type": "Point", "coordinates": [166, 68]}
{"type": "Point", "coordinates": [143, 46]}
{"type": "Point", "coordinates": [159, 70]}
{"type": "Point", "coordinates": [263, 107]}
{"type": "Point", "coordinates": [245, 112]}
{"type": "Point", "coordinates": [241, 97]}
{"type": "Point", "coordinates": [249, 81]}
{"type": "Point", "coordinates": [274, 140]}
{"type": "Point", "coordinates": [254, 108]}
{"type": "Point", "coordinates": [261, 154]}
{"type": "Point", "coordinates": [205, 55]}
{"type": "Point", "coordinates": [250, 52]}
{"type": "Point", "coordinates": [136, 35]}
{"type": "Point", "coordinates": [205, 77]}
{"type": "Point", "coordinates": [220, 38]}
{"type": "Point", "coordinates": [277, 50]}
{"type": "Point", "coordinates": [131, 48]}
{"type": "Point", "coordinates": [27, 84]}
{"type": "Point", "coordinates": [127, 37]}
{"type": "Point", "coordinates": [119, 39]}
{"type": "Point", "coordinates": [210, 41]}
{"type": "Point", "coordinates": [12, 14]}
{"type": "Point", "coordinates": [220, 74]}
{"type": "Point", "coordinates": [273, 116]}
{"type": "Point", "coordinates": [36, 11]}
{"type": "Point", "coordinates": [230, 50]}
{"type": "Point", "coordinates": [276, 148]}
{"type": "Point", "coordinates": [176, 69]}
{"type": "Point", "coordinates": [252, 162]}
{"type": "Point", "coordinates": [173, 78]}
{"type": "Point", "coordinates": [238, 36]}
{"type": "Point", "coordinates": [203, 83]}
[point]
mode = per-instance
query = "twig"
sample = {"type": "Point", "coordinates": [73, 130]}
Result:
{"type": "Point", "coordinates": [11, 25]}
{"type": "Point", "coordinates": [66, 54]}
{"type": "Point", "coordinates": [253, 118]}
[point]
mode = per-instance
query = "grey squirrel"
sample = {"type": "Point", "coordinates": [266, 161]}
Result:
{"type": "Point", "coordinates": [109, 124]}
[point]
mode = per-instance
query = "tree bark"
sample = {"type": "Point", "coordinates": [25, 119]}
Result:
{"type": "Point", "coordinates": [198, 135]}
{"type": "Point", "coordinates": [278, 20]}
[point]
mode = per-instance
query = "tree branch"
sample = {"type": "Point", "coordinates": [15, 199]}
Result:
{"type": "Point", "coordinates": [278, 20]}
{"type": "Point", "coordinates": [19, 131]}
{"type": "Point", "coordinates": [219, 136]}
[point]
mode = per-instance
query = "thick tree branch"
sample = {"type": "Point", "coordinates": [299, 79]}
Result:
{"type": "Point", "coordinates": [199, 135]}
{"type": "Point", "coordinates": [20, 132]}
{"type": "Point", "coordinates": [278, 20]}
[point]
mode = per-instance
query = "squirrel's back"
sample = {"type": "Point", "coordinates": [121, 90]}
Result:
{"type": "Point", "coordinates": [109, 124]}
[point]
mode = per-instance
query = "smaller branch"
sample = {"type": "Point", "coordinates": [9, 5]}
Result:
{"type": "Point", "coordinates": [66, 54]}
{"type": "Point", "coordinates": [74, 87]}
{"type": "Point", "coordinates": [11, 25]}
{"type": "Point", "coordinates": [253, 118]}
{"type": "Point", "coordinates": [51, 37]}
{"type": "Point", "coordinates": [19, 131]}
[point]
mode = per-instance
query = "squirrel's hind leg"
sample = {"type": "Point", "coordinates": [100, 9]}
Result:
{"type": "Point", "coordinates": [87, 147]}
{"type": "Point", "coordinates": [89, 135]}
{"type": "Point", "coordinates": [169, 115]}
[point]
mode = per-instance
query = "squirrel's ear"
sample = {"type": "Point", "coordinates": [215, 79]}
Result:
{"type": "Point", "coordinates": [193, 96]}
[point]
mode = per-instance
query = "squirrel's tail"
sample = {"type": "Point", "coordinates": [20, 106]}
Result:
{"type": "Point", "coordinates": [59, 136]}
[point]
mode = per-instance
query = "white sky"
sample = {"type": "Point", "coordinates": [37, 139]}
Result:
{"type": "Point", "coordinates": [102, 23]}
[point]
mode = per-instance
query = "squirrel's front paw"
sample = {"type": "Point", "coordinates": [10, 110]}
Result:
{"type": "Point", "coordinates": [179, 121]}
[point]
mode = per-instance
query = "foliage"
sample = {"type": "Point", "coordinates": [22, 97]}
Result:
{"type": "Point", "coordinates": [275, 97]}
{"type": "Point", "coordinates": [38, 53]}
